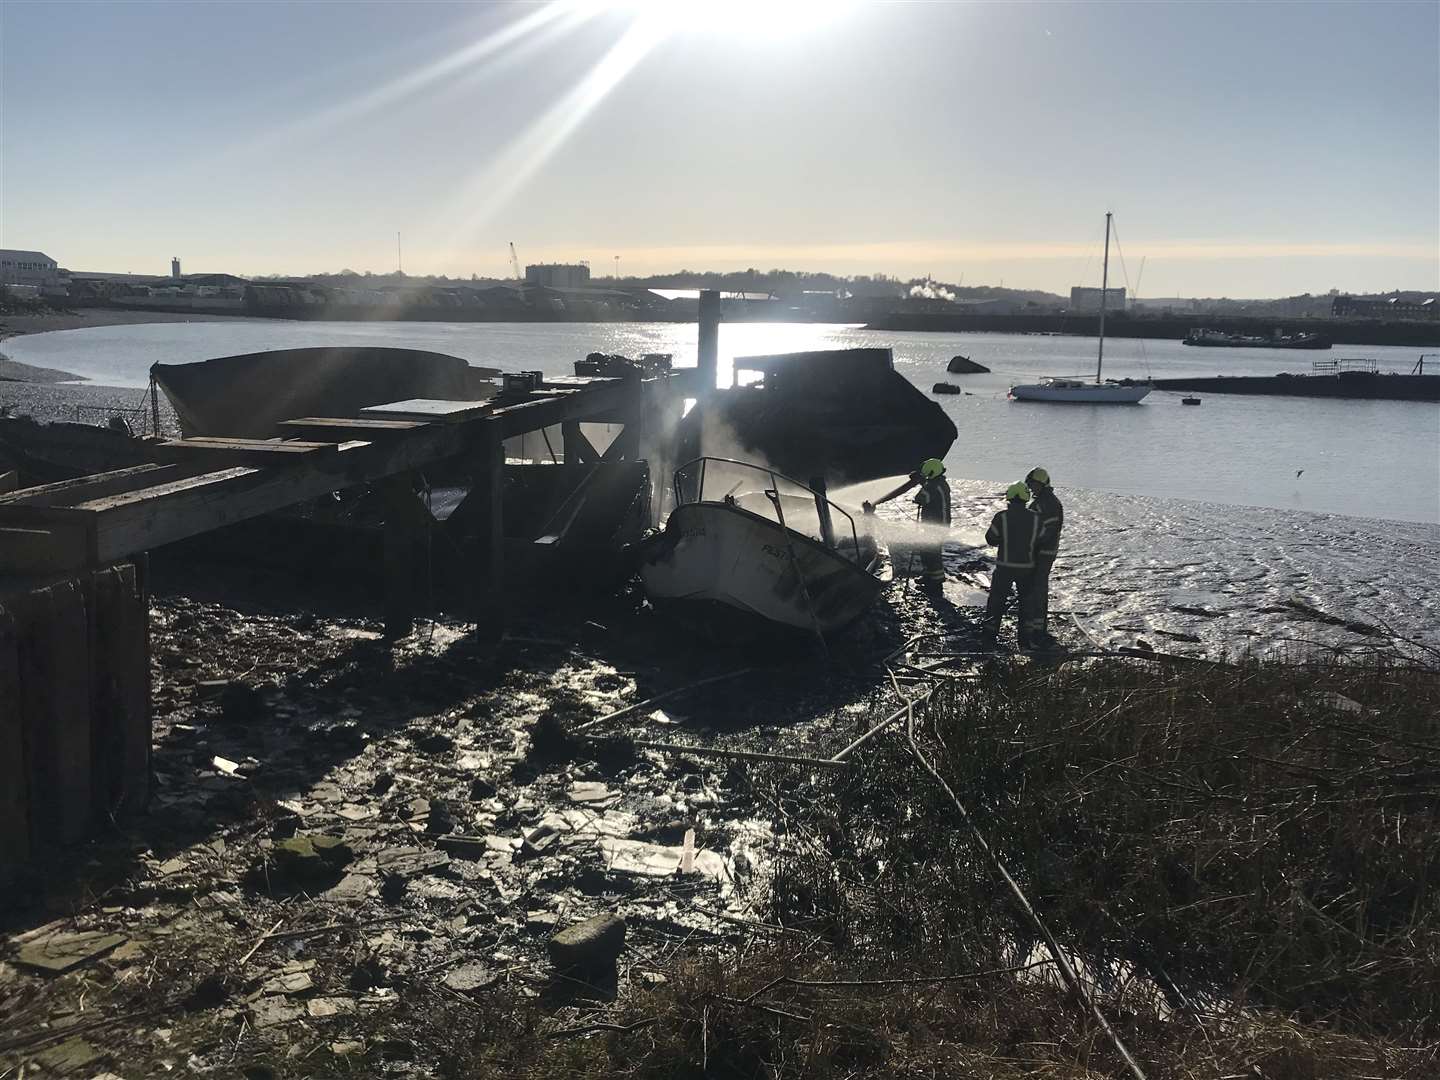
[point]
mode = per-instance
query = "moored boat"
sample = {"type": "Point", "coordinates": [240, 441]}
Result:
{"type": "Point", "coordinates": [1076, 390]}
{"type": "Point", "coordinates": [745, 543]}
{"type": "Point", "coordinates": [1220, 339]}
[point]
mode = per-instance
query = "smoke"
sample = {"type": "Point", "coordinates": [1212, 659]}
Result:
{"type": "Point", "coordinates": [931, 290]}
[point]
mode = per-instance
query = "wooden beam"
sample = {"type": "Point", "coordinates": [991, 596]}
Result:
{"type": "Point", "coordinates": [217, 452]}
{"type": "Point", "coordinates": [431, 410]}
{"type": "Point", "coordinates": [405, 521]}
{"type": "Point", "coordinates": [69, 492]}
{"type": "Point", "coordinates": [483, 543]}
{"type": "Point", "coordinates": [335, 427]}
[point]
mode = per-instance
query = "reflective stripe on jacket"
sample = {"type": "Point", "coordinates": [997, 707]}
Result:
{"type": "Point", "coordinates": [1014, 532]}
{"type": "Point", "coordinates": [934, 500]}
{"type": "Point", "coordinates": [1052, 519]}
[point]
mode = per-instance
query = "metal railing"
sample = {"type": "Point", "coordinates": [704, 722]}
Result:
{"type": "Point", "coordinates": [689, 487]}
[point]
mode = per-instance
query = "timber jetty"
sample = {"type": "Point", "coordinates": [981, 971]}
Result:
{"type": "Point", "coordinates": [1329, 378]}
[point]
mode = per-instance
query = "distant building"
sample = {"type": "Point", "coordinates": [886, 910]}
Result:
{"type": "Point", "coordinates": [28, 268]}
{"type": "Point", "coordinates": [1397, 306]}
{"type": "Point", "coordinates": [174, 268]}
{"type": "Point", "coordinates": [1083, 299]}
{"type": "Point", "coordinates": [559, 275]}
{"type": "Point", "coordinates": [1163, 303]}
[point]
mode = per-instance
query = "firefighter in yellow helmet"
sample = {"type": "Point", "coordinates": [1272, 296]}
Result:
{"type": "Point", "coordinates": [933, 499]}
{"type": "Point", "coordinates": [1015, 534]}
{"type": "Point", "coordinates": [1052, 520]}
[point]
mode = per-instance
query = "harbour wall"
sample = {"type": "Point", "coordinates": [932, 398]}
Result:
{"type": "Point", "coordinates": [1356, 384]}
{"type": "Point", "coordinates": [1340, 331]}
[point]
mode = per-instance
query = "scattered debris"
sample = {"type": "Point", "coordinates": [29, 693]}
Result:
{"type": "Point", "coordinates": [64, 951]}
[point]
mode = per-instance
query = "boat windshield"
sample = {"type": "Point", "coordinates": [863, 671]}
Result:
{"type": "Point", "coordinates": [772, 495]}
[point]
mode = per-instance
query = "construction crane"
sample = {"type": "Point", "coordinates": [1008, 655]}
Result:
{"type": "Point", "coordinates": [515, 262]}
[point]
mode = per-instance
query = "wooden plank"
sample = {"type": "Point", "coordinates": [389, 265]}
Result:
{"type": "Point", "coordinates": [430, 409]}
{"type": "Point", "coordinates": [215, 452]}
{"type": "Point", "coordinates": [334, 427]}
{"type": "Point", "coordinates": [120, 733]}
{"type": "Point", "coordinates": [94, 486]}
{"type": "Point", "coordinates": [129, 524]}
{"type": "Point", "coordinates": [14, 789]}
{"type": "Point", "coordinates": [55, 704]}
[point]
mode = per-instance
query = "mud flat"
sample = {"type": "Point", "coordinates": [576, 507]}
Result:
{"type": "Point", "coordinates": [15, 323]}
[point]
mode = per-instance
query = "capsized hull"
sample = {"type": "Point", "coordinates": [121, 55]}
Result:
{"type": "Point", "coordinates": [249, 395]}
{"type": "Point", "coordinates": [1103, 394]}
{"type": "Point", "coordinates": [714, 553]}
{"type": "Point", "coordinates": [844, 414]}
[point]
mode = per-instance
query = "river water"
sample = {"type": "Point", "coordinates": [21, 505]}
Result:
{"type": "Point", "coordinates": [1376, 459]}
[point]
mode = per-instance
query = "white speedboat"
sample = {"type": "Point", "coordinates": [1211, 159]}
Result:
{"type": "Point", "coordinates": [1079, 390]}
{"type": "Point", "coordinates": [746, 541]}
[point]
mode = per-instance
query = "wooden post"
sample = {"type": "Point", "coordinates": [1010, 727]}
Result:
{"type": "Point", "coordinates": [485, 542]}
{"type": "Point", "coordinates": [707, 356]}
{"type": "Point", "coordinates": [119, 620]}
{"type": "Point", "coordinates": [14, 790]}
{"type": "Point", "coordinates": [54, 667]}
{"type": "Point", "coordinates": [571, 437]}
{"type": "Point", "coordinates": [402, 552]}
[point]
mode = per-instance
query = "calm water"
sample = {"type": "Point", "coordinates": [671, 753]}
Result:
{"type": "Point", "coordinates": [1372, 459]}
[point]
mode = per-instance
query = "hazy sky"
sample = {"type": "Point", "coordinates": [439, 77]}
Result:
{"type": "Point", "coordinates": [1247, 149]}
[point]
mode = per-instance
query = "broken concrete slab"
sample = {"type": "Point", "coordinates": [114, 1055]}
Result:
{"type": "Point", "coordinates": [60, 952]}
{"type": "Point", "coordinates": [320, 1008]}
{"type": "Point", "coordinates": [275, 1010]}
{"type": "Point", "coordinates": [409, 862]}
{"type": "Point", "coordinates": [67, 1057]}
{"type": "Point", "coordinates": [291, 982]}
{"type": "Point", "coordinates": [470, 978]}
{"type": "Point", "coordinates": [591, 945]}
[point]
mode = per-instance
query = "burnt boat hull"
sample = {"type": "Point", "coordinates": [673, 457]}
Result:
{"type": "Point", "coordinates": [844, 414]}
{"type": "Point", "coordinates": [713, 554]}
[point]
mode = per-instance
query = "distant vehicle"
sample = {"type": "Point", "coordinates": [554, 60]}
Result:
{"type": "Point", "coordinates": [1075, 389]}
{"type": "Point", "coordinates": [1219, 339]}
{"type": "Point", "coordinates": [1189, 401]}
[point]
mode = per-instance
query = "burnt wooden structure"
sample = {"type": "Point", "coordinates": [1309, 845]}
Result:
{"type": "Point", "coordinates": [74, 637]}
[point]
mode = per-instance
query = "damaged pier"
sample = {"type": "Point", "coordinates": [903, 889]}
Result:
{"type": "Point", "coordinates": [74, 654]}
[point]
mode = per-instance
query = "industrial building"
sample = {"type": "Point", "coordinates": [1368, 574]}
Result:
{"type": "Point", "coordinates": [559, 275]}
{"type": "Point", "coordinates": [28, 268]}
{"type": "Point", "coordinates": [1394, 306]}
{"type": "Point", "coordinates": [1084, 299]}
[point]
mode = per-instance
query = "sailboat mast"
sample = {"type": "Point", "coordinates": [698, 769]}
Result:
{"type": "Point", "coordinates": [1104, 293]}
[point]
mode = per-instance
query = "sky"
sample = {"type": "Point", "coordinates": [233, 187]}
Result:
{"type": "Point", "coordinates": [1246, 149]}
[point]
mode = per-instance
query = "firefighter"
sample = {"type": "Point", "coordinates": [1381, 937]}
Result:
{"type": "Point", "coordinates": [1052, 520]}
{"type": "Point", "coordinates": [1015, 533]}
{"type": "Point", "coordinates": [933, 499]}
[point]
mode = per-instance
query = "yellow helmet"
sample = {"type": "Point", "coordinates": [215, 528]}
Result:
{"type": "Point", "coordinates": [1038, 476]}
{"type": "Point", "coordinates": [1018, 491]}
{"type": "Point", "coordinates": [931, 468]}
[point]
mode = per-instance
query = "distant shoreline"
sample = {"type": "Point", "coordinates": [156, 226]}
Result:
{"type": "Point", "coordinates": [17, 324]}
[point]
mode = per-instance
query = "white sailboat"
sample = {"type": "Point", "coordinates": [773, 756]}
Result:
{"type": "Point", "coordinates": [1076, 388]}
